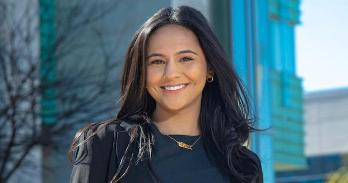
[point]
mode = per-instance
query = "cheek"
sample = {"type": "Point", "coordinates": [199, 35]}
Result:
{"type": "Point", "coordinates": [198, 72]}
{"type": "Point", "coordinates": [152, 77]}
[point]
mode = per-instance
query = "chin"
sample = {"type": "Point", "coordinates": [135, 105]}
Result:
{"type": "Point", "coordinates": [173, 107]}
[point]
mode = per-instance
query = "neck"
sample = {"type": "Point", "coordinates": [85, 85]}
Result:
{"type": "Point", "coordinates": [184, 122]}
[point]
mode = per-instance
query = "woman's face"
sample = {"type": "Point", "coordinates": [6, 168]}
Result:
{"type": "Point", "coordinates": [176, 68]}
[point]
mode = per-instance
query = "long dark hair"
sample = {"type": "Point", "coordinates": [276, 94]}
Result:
{"type": "Point", "coordinates": [225, 118]}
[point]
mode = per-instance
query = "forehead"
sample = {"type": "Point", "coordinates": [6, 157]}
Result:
{"type": "Point", "coordinates": [173, 36]}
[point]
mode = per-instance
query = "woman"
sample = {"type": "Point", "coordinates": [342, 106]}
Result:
{"type": "Point", "coordinates": [184, 115]}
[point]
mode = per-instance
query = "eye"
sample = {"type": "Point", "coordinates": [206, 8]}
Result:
{"type": "Point", "coordinates": [186, 59]}
{"type": "Point", "coordinates": [156, 62]}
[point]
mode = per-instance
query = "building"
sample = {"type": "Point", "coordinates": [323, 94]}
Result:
{"type": "Point", "coordinates": [263, 46]}
{"type": "Point", "coordinates": [326, 116]}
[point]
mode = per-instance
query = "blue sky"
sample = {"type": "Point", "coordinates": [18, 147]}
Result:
{"type": "Point", "coordinates": [321, 44]}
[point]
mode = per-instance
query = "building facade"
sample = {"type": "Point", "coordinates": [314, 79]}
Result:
{"type": "Point", "coordinates": [263, 47]}
{"type": "Point", "coordinates": [326, 127]}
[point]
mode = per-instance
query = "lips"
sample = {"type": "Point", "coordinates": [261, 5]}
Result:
{"type": "Point", "coordinates": [174, 87]}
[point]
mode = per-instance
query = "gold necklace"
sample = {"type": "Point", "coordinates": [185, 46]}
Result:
{"type": "Point", "coordinates": [183, 144]}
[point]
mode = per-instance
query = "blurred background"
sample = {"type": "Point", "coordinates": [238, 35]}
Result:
{"type": "Point", "coordinates": [61, 62]}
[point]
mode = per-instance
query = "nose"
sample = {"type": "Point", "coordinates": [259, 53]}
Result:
{"type": "Point", "coordinates": [172, 70]}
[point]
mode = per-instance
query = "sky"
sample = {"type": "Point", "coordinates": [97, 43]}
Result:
{"type": "Point", "coordinates": [321, 44]}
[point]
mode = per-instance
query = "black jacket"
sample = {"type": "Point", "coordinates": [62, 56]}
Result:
{"type": "Point", "coordinates": [96, 161]}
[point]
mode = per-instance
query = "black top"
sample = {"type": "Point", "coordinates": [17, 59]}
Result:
{"type": "Point", "coordinates": [173, 164]}
{"type": "Point", "coordinates": [96, 161]}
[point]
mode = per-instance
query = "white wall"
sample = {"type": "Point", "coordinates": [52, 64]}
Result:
{"type": "Point", "coordinates": [326, 122]}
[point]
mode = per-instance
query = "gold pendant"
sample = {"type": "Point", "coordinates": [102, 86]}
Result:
{"type": "Point", "coordinates": [184, 145]}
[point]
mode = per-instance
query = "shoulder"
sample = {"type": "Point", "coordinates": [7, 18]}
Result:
{"type": "Point", "coordinates": [97, 138]}
{"type": "Point", "coordinates": [102, 130]}
{"type": "Point", "coordinates": [97, 150]}
{"type": "Point", "coordinates": [98, 131]}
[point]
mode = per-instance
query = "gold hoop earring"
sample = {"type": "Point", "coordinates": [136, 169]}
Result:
{"type": "Point", "coordinates": [209, 80]}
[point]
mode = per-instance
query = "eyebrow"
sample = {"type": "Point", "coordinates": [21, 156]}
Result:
{"type": "Point", "coordinates": [177, 53]}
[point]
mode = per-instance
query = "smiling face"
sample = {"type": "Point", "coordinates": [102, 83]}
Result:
{"type": "Point", "coordinates": [176, 68]}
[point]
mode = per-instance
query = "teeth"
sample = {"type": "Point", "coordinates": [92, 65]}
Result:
{"type": "Point", "coordinates": [174, 87]}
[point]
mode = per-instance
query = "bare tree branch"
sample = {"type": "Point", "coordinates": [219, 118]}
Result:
{"type": "Point", "coordinates": [29, 82]}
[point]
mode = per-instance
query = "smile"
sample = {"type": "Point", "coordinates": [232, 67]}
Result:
{"type": "Point", "coordinates": [174, 88]}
